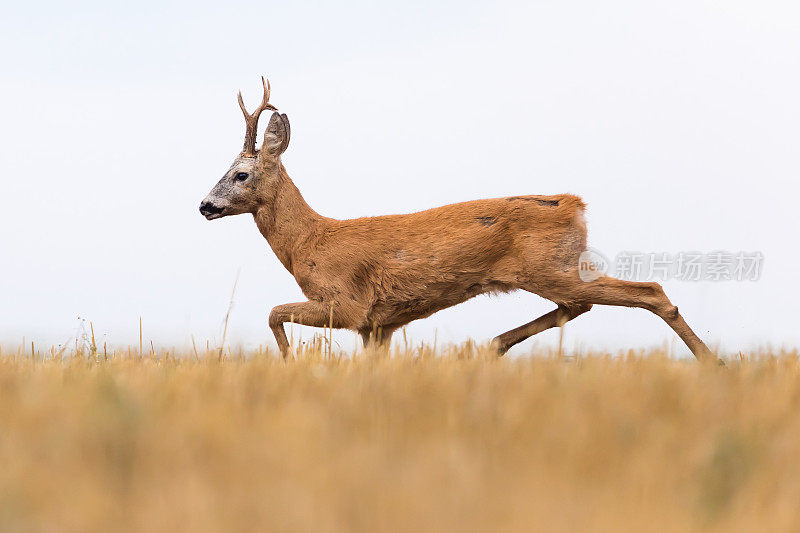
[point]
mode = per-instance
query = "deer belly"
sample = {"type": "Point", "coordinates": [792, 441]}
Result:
{"type": "Point", "coordinates": [398, 310]}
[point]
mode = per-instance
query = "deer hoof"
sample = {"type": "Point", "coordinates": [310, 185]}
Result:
{"type": "Point", "coordinates": [498, 347]}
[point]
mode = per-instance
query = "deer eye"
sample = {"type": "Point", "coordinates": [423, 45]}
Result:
{"type": "Point", "coordinates": [241, 176]}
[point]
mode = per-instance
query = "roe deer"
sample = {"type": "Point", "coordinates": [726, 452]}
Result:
{"type": "Point", "coordinates": [376, 274]}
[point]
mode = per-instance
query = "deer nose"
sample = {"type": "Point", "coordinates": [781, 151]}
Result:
{"type": "Point", "coordinates": [207, 208]}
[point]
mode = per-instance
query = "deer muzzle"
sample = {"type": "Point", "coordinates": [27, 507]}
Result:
{"type": "Point", "coordinates": [210, 211]}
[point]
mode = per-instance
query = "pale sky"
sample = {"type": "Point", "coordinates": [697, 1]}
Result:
{"type": "Point", "coordinates": [677, 122]}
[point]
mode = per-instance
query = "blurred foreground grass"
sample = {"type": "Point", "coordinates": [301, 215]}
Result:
{"type": "Point", "coordinates": [411, 442]}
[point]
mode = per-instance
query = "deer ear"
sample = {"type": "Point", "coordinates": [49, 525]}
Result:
{"type": "Point", "coordinates": [276, 138]}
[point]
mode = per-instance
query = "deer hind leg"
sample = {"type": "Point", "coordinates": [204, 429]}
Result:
{"type": "Point", "coordinates": [556, 317]}
{"type": "Point", "coordinates": [305, 313]}
{"type": "Point", "coordinates": [646, 295]}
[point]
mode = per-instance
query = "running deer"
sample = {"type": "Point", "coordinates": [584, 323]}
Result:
{"type": "Point", "coordinates": [374, 275]}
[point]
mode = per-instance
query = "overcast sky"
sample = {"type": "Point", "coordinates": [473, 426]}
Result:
{"type": "Point", "coordinates": [677, 122]}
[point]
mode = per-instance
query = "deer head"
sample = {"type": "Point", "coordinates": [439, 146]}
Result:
{"type": "Point", "coordinates": [251, 179]}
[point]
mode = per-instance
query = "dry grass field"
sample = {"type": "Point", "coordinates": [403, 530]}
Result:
{"type": "Point", "coordinates": [412, 441]}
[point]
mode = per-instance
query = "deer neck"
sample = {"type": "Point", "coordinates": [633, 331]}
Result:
{"type": "Point", "coordinates": [286, 220]}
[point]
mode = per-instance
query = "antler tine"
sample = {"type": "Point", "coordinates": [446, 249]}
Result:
{"type": "Point", "coordinates": [241, 105]}
{"type": "Point", "coordinates": [251, 120]}
{"type": "Point", "coordinates": [265, 100]}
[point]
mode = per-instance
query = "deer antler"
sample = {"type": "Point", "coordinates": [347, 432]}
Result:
{"type": "Point", "coordinates": [251, 121]}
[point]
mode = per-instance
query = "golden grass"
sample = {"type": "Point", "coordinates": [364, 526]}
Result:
{"type": "Point", "coordinates": [412, 442]}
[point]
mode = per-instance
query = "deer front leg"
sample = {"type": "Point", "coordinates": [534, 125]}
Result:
{"type": "Point", "coordinates": [377, 337]}
{"type": "Point", "coordinates": [314, 314]}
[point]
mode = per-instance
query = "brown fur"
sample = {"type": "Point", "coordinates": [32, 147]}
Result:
{"type": "Point", "coordinates": [376, 274]}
